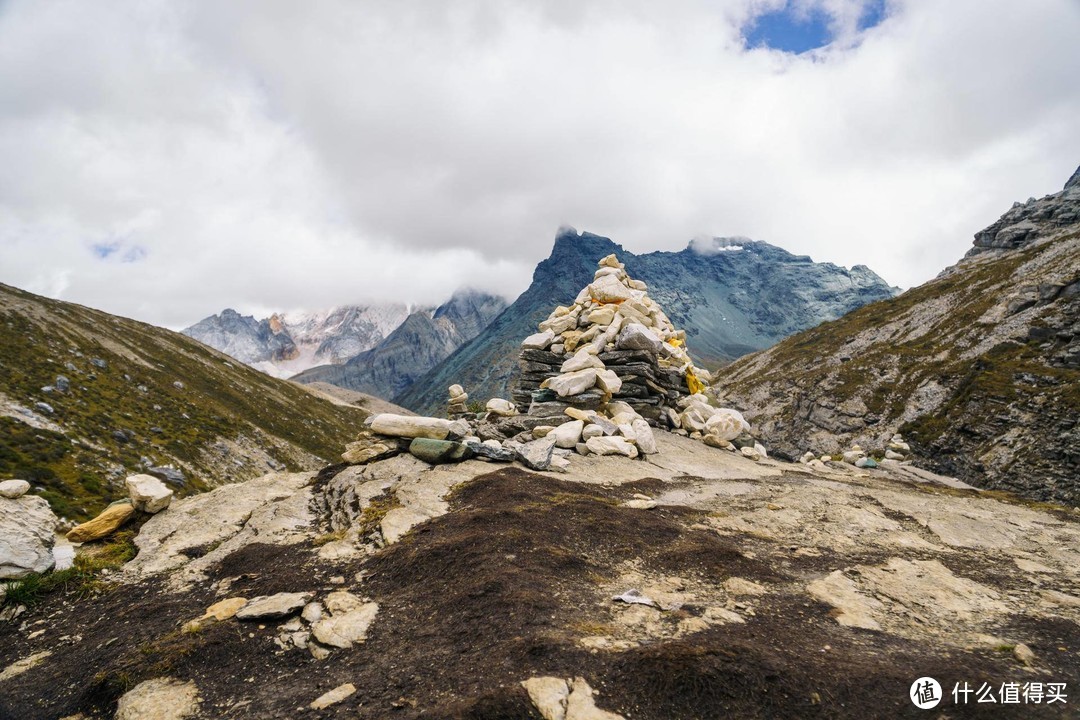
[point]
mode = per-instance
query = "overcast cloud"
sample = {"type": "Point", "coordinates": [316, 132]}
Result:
{"type": "Point", "coordinates": [167, 160]}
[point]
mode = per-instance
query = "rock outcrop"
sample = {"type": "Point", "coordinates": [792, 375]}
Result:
{"type": "Point", "coordinates": [648, 588]}
{"type": "Point", "coordinates": [979, 369]}
{"type": "Point", "coordinates": [27, 535]}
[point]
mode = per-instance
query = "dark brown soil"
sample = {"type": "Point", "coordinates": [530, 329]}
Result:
{"type": "Point", "coordinates": [495, 592]}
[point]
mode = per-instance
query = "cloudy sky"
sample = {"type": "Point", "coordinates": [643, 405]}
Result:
{"type": "Point", "coordinates": [164, 160]}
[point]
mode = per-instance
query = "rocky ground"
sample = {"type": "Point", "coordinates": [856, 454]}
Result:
{"type": "Point", "coordinates": [403, 590]}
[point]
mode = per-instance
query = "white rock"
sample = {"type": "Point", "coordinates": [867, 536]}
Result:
{"type": "Point", "coordinates": [807, 457]}
{"type": "Point", "coordinates": [608, 382]}
{"type": "Point", "coordinates": [750, 452]}
{"type": "Point", "coordinates": [602, 316]}
{"type": "Point", "coordinates": [760, 449]}
{"type": "Point", "coordinates": [893, 455]}
{"type": "Point", "coordinates": [852, 456]}
{"type": "Point", "coordinates": [726, 424]}
{"type": "Point", "coordinates": [571, 383]}
{"type": "Point", "coordinates": [611, 445]}
{"type": "Point", "coordinates": [568, 434]}
{"type": "Point", "coordinates": [609, 289]}
{"type": "Point", "coordinates": [161, 699]}
{"type": "Point", "coordinates": [548, 695]}
{"type": "Point", "coordinates": [582, 360]}
{"type": "Point", "coordinates": [542, 431]}
{"type": "Point", "coordinates": [273, 606]}
{"type": "Point", "coordinates": [646, 442]}
{"type": "Point", "coordinates": [559, 325]}
{"type": "Point", "coordinates": [148, 493]}
{"type": "Point", "coordinates": [346, 627]}
{"type": "Point", "coordinates": [591, 431]}
{"type": "Point", "coordinates": [12, 489]}
{"type": "Point", "coordinates": [618, 407]}
{"type": "Point", "coordinates": [410, 426]}
{"type": "Point", "coordinates": [581, 704]}
{"type": "Point", "coordinates": [636, 336]}
{"type": "Point", "coordinates": [333, 697]}
{"type": "Point", "coordinates": [539, 341]}
{"type": "Point", "coordinates": [610, 261]}
{"type": "Point", "coordinates": [498, 406]}
{"type": "Point", "coordinates": [312, 613]}
{"type": "Point", "coordinates": [27, 535]}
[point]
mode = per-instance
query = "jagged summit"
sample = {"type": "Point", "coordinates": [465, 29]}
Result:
{"type": "Point", "coordinates": [1074, 181]}
{"type": "Point", "coordinates": [729, 303]}
{"type": "Point", "coordinates": [1027, 222]}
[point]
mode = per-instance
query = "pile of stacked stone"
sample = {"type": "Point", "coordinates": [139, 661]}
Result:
{"type": "Point", "coordinates": [612, 343]}
{"type": "Point", "coordinates": [596, 379]}
{"type": "Point", "coordinates": [458, 401]}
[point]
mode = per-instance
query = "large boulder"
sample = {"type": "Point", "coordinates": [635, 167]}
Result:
{"type": "Point", "coordinates": [410, 426]}
{"type": "Point", "coordinates": [148, 494]}
{"type": "Point", "coordinates": [12, 489]}
{"type": "Point", "coordinates": [27, 532]}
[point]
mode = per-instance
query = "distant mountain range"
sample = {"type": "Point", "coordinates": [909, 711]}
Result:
{"type": "Point", "coordinates": [423, 340]}
{"type": "Point", "coordinates": [733, 296]}
{"type": "Point", "coordinates": [978, 368]}
{"type": "Point", "coordinates": [285, 344]}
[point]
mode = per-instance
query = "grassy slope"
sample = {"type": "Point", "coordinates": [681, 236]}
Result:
{"type": "Point", "coordinates": [81, 469]}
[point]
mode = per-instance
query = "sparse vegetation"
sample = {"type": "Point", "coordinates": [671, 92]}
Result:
{"type": "Point", "coordinates": [81, 579]}
{"type": "Point", "coordinates": [157, 394]}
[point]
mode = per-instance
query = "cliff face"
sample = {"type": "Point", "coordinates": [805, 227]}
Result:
{"type": "Point", "coordinates": [979, 368]}
{"type": "Point", "coordinates": [423, 340]}
{"type": "Point", "coordinates": [731, 296]}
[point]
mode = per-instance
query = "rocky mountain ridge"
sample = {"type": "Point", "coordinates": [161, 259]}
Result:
{"type": "Point", "coordinates": [714, 289]}
{"type": "Point", "coordinates": [87, 397]}
{"type": "Point", "coordinates": [287, 343]}
{"type": "Point", "coordinates": [423, 340]}
{"type": "Point", "coordinates": [978, 368]}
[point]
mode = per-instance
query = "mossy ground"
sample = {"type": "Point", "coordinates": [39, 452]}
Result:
{"type": "Point", "coordinates": [170, 399]}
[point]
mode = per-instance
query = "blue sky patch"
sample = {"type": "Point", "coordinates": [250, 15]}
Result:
{"type": "Point", "coordinates": [116, 250]}
{"type": "Point", "coordinates": [794, 31]}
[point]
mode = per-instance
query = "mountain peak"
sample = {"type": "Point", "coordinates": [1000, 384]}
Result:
{"type": "Point", "coordinates": [569, 242]}
{"type": "Point", "coordinates": [1074, 181]}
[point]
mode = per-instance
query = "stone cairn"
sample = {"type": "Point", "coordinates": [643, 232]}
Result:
{"type": "Point", "coordinates": [613, 343]}
{"type": "Point", "coordinates": [597, 378]}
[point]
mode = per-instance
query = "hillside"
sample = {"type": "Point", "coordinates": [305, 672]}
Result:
{"type": "Point", "coordinates": [87, 398]}
{"type": "Point", "coordinates": [731, 297]}
{"type": "Point", "coordinates": [978, 368]}
{"type": "Point", "coordinates": [422, 341]}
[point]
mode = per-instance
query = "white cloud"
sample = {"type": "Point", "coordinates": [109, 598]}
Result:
{"type": "Point", "coordinates": [274, 155]}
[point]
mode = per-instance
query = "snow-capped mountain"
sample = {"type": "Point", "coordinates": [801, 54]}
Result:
{"type": "Point", "coordinates": [288, 343]}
